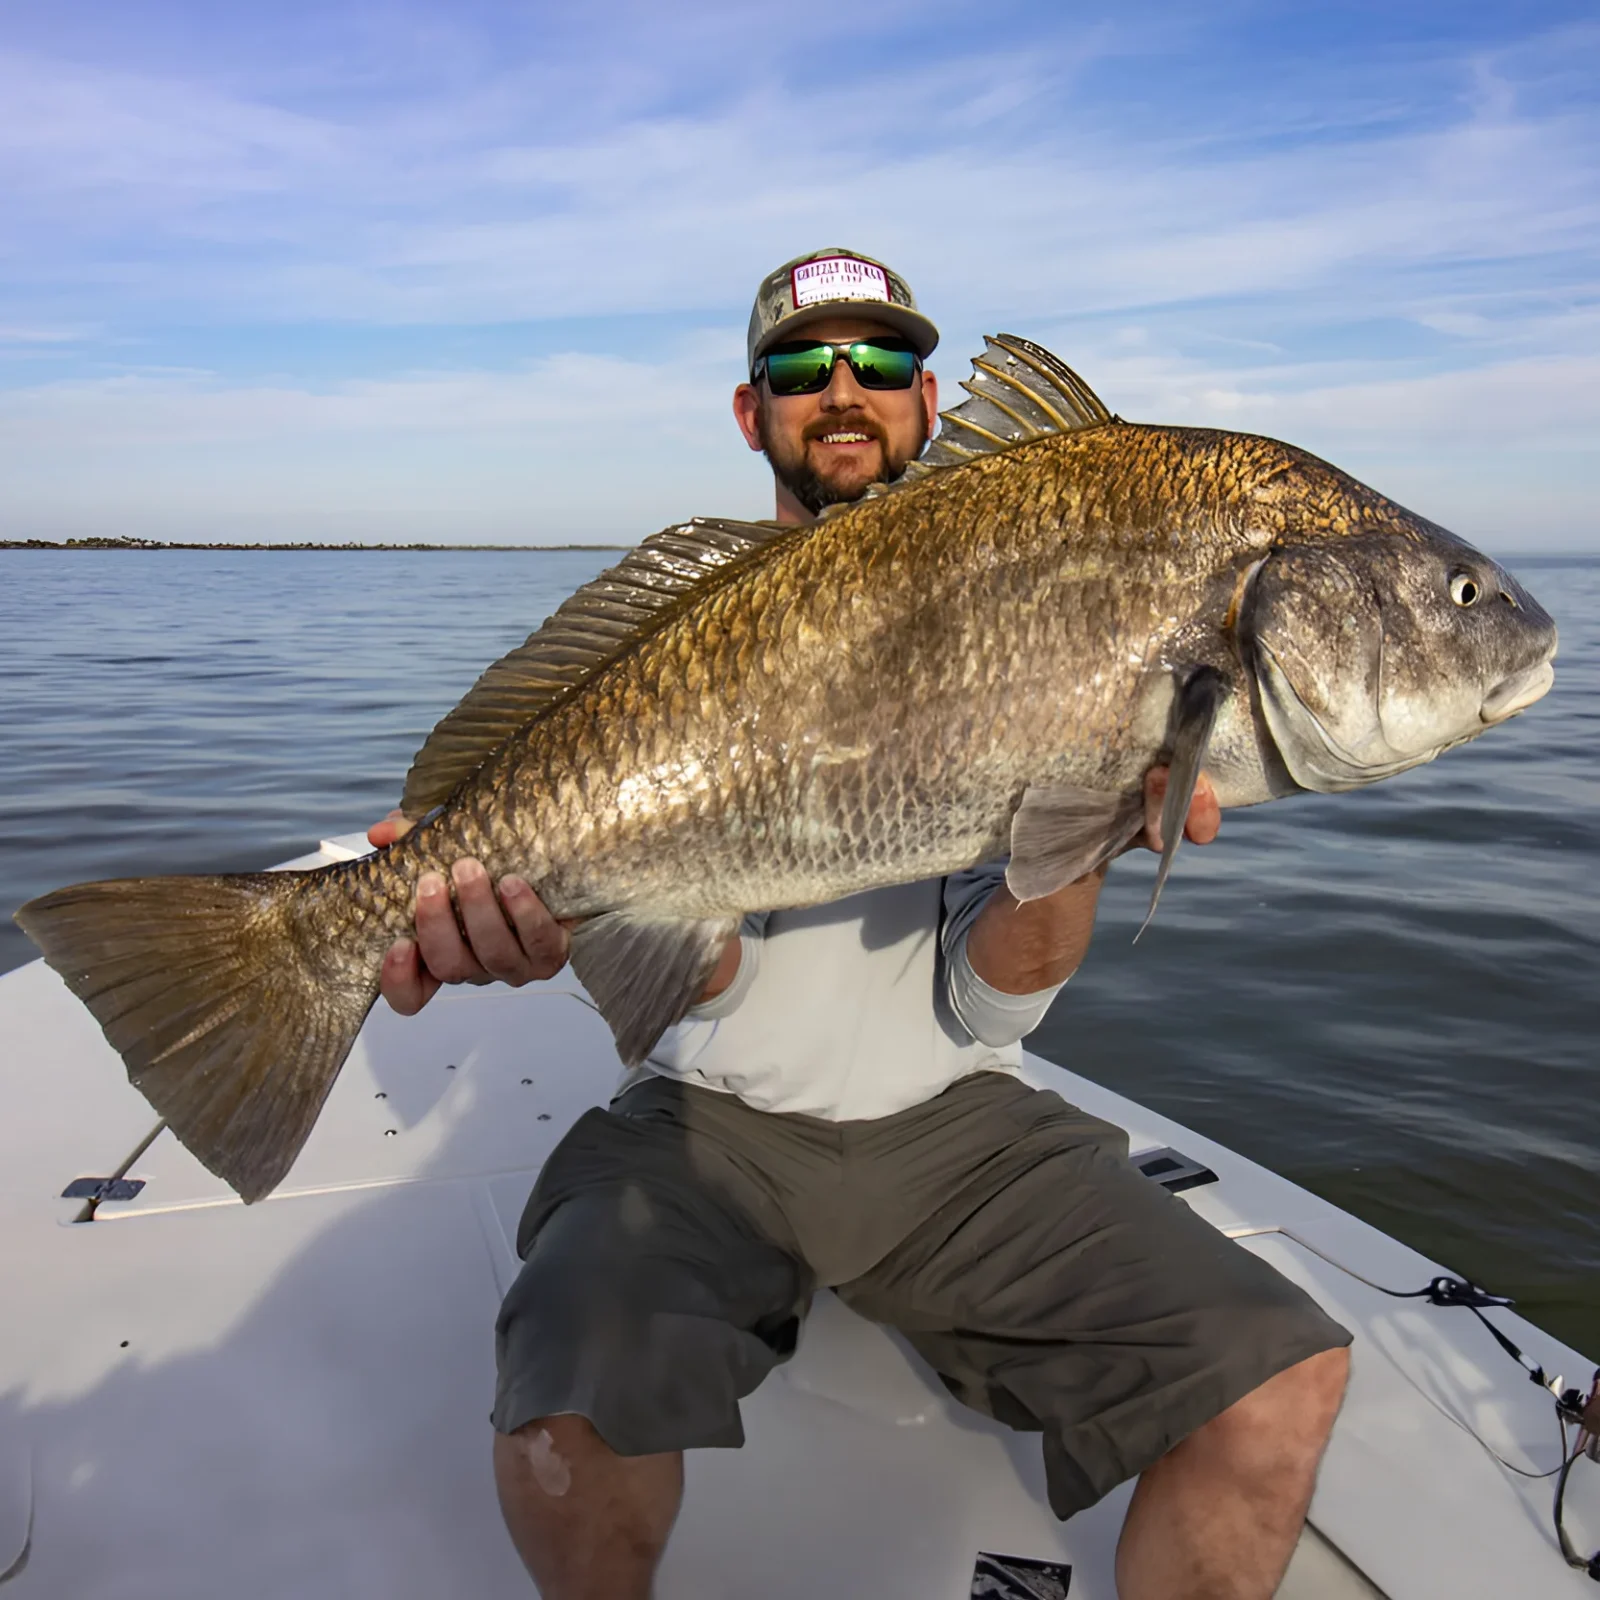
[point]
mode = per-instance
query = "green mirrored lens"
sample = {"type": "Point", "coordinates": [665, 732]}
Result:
{"type": "Point", "coordinates": [877, 366]}
{"type": "Point", "coordinates": [796, 371]}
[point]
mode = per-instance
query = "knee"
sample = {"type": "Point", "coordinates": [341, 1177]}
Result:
{"type": "Point", "coordinates": [538, 1456]}
{"type": "Point", "coordinates": [544, 1454]}
{"type": "Point", "coordinates": [1292, 1412]}
{"type": "Point", "coordinates": [1314, 1388]}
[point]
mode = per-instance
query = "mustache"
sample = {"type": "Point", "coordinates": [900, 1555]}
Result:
{"type": "Point", "coordinates": [843, 424]}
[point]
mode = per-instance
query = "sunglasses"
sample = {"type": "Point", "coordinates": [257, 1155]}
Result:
{"type": "Point", "coordinates": [806, 366]}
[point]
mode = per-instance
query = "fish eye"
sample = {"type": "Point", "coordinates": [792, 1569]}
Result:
{"type": "Point", "coordinates": [1465, 590]}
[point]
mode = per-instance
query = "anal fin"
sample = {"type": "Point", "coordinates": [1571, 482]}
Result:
{"type": "Point", "coordinates": [1060, 832]}
{"type": "Point", "coordinates": [1194, 715]}
{"type": "Point", "coordinates": [644, 973]}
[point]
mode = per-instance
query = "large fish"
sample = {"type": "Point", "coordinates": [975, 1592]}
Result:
{"type": "Point", "coordinates": [982, 660]}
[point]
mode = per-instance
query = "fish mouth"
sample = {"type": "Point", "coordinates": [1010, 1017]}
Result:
{"type": "Point", "coordinates": [1517, 692]}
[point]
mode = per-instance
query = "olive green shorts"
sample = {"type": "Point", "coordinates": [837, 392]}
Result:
{"type": "Point", "coordinates": [673, 1242]}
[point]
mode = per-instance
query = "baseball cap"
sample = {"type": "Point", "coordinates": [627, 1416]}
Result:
{"type": "Point", "coordinates": [816, 286]}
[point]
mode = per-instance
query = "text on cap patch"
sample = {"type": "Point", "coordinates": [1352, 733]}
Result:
{"type": "Point", "coordinates": [837, 278]}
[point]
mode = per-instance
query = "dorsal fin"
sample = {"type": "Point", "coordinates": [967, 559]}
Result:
{"type": "Point", "coordinates": [589, 629]}
{"type": "Point", "coordinates": [1018, 392]}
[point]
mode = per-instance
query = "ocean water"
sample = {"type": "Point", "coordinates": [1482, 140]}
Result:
{"type": "Point", "coordinates": [1392, 997]}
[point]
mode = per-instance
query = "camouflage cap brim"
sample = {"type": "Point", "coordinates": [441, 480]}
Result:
{"type": "Point", "coordinates": [910, 325]}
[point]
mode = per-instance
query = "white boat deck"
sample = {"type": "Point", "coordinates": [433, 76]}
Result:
{"type": "Point", "coordinates": [199, 1400]}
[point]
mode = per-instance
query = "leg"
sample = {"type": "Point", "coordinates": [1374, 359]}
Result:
{"type": "Point", "coordinates": [1217, 1517]}
{"type": "Point", "coordinates": [650, 1300]}
{"type": "Point", "coordinates": [1054, 1287]}
{"type": "Point", "coordinates": [589, 1524]}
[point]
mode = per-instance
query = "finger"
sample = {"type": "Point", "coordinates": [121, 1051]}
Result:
{"type": "Point", "coordinates": [444, 952]}
{"type": "Point", "coordinates": [1155, 795]}
{"type": "Point", "coordinates": [493, 940]}
{"type": "Point", "coordinates": [543, 939]}
{"type": "Point", "coordinates": [405, 983]}
{"type": "Point", "coordinates": [394, 826]}
{"type": "Point", "coordinates": [1205, 813]}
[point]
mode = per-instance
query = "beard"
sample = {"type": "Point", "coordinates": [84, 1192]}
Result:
{"type": "Point", "coordinates": [815, 490]}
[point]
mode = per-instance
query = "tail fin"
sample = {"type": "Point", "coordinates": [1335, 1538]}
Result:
{"type": "Point", "coordinates": [232, 1019]}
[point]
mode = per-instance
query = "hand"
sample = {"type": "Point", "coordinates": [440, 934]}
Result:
{"type": "Point", "coordinates": [1202, 823]}
{"type": "Point", "coordinates": [509, 937]}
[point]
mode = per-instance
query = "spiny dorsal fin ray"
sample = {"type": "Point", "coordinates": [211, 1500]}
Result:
{"type": "Point", "coordinates": [589, 629]}
{"type": "Point", "coordinates": [1018, 392]}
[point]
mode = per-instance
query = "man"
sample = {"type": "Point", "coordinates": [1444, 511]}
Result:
{"type": "Point", "coordinates": [882, 1145]}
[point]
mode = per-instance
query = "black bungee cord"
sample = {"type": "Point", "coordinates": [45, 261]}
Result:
{"type": "Point", "coordinates": [1572, 1405]}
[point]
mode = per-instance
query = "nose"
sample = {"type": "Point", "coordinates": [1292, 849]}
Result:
{"type": "Point", "coordinates": [843, 392]}
{"type": "Point", "coordinates": [1531, 615]}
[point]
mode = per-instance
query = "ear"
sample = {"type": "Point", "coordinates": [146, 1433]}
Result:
{"type": "Point", "coordinates": [930, 403]}
{"type": "Point", "coordinates": [747, 413]}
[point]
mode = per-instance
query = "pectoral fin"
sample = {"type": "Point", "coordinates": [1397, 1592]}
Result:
{"type": "Point", "coordinates": [644, 973]}
{"type": "Point", "coordinates": [1194, 715]}
{"type": "Point", "coordinates": [1061, 832]}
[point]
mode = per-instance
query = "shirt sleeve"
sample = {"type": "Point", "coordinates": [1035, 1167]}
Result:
{"type": "Point", "coordinates": [990, 1015]}
{"type": "Point", "coordinates": [752, 931]}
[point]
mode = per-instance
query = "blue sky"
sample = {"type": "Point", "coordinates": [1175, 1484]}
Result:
{"type": "Point", "coordinates": [481, 272]}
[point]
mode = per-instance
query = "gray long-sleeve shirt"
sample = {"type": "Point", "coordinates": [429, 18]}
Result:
{"type": "Point", "coordinates": [855, 1009]}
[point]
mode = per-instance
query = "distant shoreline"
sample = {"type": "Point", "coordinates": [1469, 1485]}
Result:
{"type": "Point", "coordinates": [156, 544]}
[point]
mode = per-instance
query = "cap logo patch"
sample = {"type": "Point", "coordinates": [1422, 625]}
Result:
{"type": "Point", "coordinates": [837, 278]}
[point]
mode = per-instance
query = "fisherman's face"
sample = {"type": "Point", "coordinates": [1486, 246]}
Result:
{"type": "Point", "coordinates": [826, 448]}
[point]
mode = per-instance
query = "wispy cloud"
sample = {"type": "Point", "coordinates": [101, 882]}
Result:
{"type": "Point", "coordinates": [41, 334]}
{"type": "Point", "coordinates": [1392, 260]}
